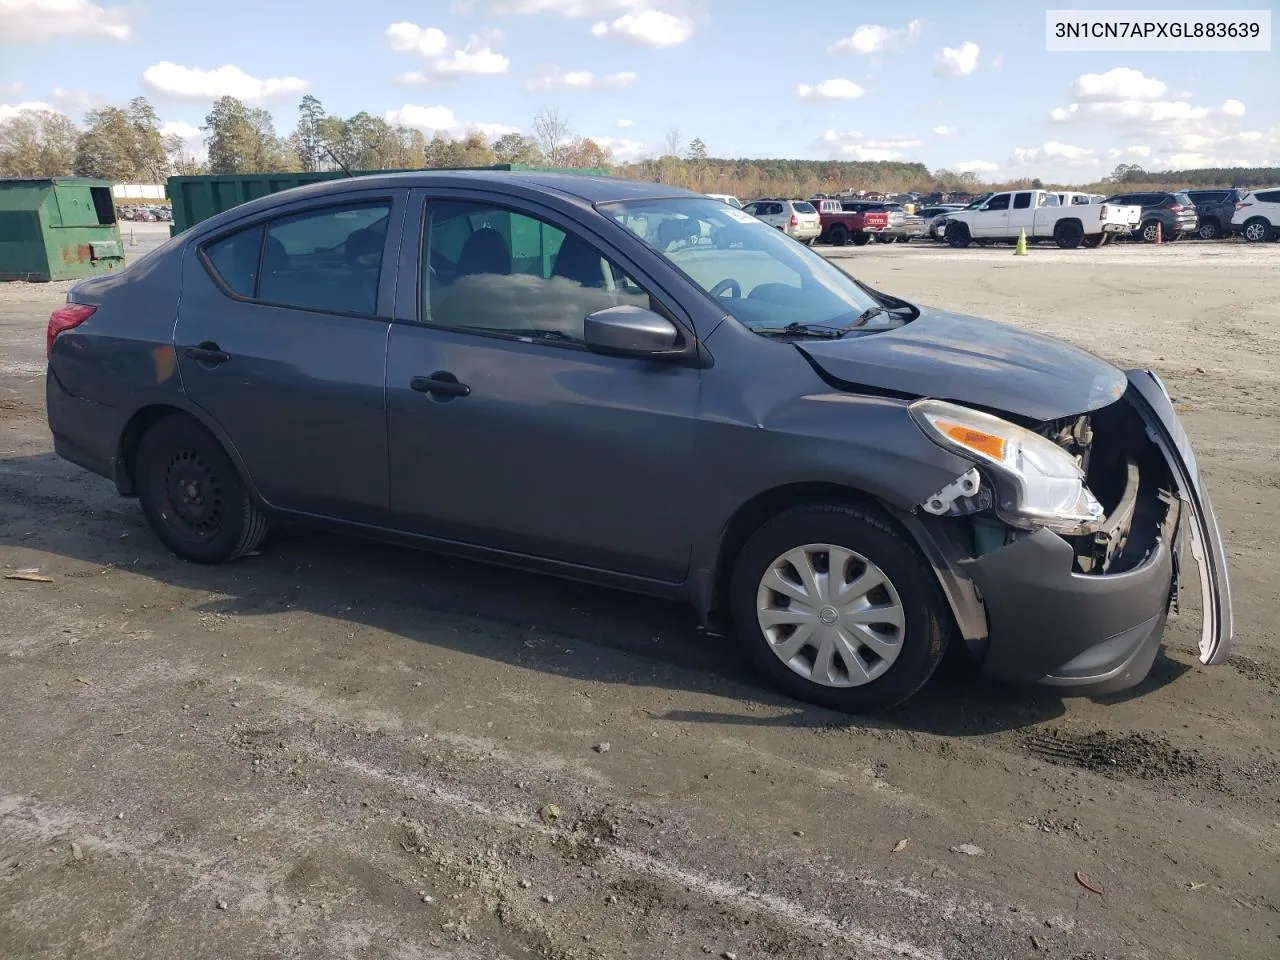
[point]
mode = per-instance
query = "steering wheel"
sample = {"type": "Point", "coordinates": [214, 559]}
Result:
{"type": "Point", "coordinates": [732, 286]}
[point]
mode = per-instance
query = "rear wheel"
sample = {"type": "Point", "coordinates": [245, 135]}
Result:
{"type": "Point", "coordinates": [839, 236]}
{"type": "Point", "coordinates": [837, 607]}
{"type": "Point", "coordinates": [1149, 230]}
{"type": "Point", "coordinates": [1209, 230]}
{"type": "Point", "coordinates": [958, 235]}
{"type": "Point", "coordinates": [1257, 230]}
{"type": "Point", "coordinates": [192, 494]}
{"type": "Point", "coordinates": [1069, 234]}
{"type": "Point", "coordinates": [861, 239]}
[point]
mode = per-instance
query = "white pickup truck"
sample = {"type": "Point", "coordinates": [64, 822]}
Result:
{"type": "Point", "coordinates": [1003, 216]}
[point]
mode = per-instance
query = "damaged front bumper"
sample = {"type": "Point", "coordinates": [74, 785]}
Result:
{"type": "Point", "coordinates": [1034, 610]}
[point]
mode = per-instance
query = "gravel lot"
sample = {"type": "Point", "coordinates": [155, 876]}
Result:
{"type": "Point", "coordinates": [338, 749]}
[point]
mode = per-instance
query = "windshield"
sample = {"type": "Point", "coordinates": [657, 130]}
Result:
{"type": "Point", "coordinates": [763, 278]}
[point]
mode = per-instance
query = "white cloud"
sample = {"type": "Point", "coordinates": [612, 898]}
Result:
{"type": "Point", "coordinates": [836, 88]}
{"type": "Point", "coordinates": [192, 83]}
{"type": "Point", "coordinates": [854, 146]}
{"type": "Point", "coordinates": [623, 150]}
{"type": "Point", "coordinates": [976, 166]}
{"type": "Point", "coordinates": [9, 88]}
{"type": "Point", "coordinates": [35, 21]}
{"type": "Point", "coordinates": [1054, 153]}
{"type": "Point", "coordinates": [8, 112]}
{"type": "Point", "coordinates": [192, 137]}
{"type": "Point", "coordinates": [1233, 108]}
{"type": "Point", "coordinates": [78, 100]}
{"type": "Point", "coordinates": [1120, 83]}
{"type": "Point", "coordinates": [626, 123]}
{"type": "Point", "coordinates": [475, 58]}
{"type": "Point", "coordinates": [441, 120]}
{"type": "Point", "coordinates": [448, 60]}
{"type": "Point", "coordinates": [554, 78]}
{"type": "Point", "coordinates": [406, 37]}
{"type": "Point", "coordinates": [653, 28]}
{"type": "Point", "coordinates": [959, 61]}
{"type": "Point", "coordinates": [1129, 153]}
{"type": "Point", "coordinates": [945, 131]}
{"type": "Point", "coordinates": [869, 39]}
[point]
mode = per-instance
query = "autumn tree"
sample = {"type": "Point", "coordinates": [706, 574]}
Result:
{"type": "Point", "coordinates": [243, 140]}
{"type": "Point", "coordinates": [123, 145]}
{"type": "Point", "coordinates": [37, 143]}
{"type": "Point", "coordinates": [551, 131]}
{"type": "Point", "coordinates": [516, 148]}
{"type": "Point", "coordinates": [585, 152]}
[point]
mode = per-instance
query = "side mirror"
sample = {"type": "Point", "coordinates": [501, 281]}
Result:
{"type": "Point", "coordinates": [630, 331]}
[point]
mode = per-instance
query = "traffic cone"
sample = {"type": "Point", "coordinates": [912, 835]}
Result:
{"type": "Point", "coordinates": [1159, 232]}
{"type": "Point", "coordinates": [1021, 249]}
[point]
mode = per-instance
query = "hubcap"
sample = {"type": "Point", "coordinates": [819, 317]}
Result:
{"type": "Point", "coordinates": [193, 504]}
{"type": "Point", "coordinates": [831, 615]}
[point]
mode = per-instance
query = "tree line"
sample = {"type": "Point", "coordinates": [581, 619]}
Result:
{"type": "Point", "coordinates": [126, 145]}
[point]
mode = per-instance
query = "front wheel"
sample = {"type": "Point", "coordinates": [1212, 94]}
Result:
{"type": "Point", "coordinates": [192, 494]}
{"type": "Point", "coordinates": [835, 606]}
{"type": "Point", "coordinates": [958, 235]}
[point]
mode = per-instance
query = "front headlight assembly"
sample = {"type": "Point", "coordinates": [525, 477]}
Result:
{"type": "Point", "coordinates": [1038, 484]}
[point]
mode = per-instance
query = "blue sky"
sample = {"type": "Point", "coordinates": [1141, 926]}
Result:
{"type": "Point", "coordinates": [957, 85]}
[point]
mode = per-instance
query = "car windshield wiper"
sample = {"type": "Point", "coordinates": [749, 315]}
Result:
{"type": "Point", "coordinates": [867, 314]}
{"type": "Point", "coordinates": [804, 330]}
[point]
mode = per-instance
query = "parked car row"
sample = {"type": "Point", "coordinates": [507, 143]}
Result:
{"type": "Point", "coordinates": [145, 214]}
{"type": "Point", "coordinates": [1069, 218]}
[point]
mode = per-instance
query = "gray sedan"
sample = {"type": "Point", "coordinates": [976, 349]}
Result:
{"type": "Point", "coordinates": [633, 385]}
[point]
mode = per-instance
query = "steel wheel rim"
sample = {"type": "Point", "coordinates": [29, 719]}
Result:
{"type": "Point", "coordinates": [193, 505]}
{"type": "Point", "coordinates": [831, 615]}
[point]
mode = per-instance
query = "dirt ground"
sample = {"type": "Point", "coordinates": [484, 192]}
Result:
{"type": "Point", "coordinates": [337, 749]}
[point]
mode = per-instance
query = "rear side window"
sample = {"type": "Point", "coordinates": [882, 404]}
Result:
{"type": "Point", "coordinates": [1268, 196]}
{"type": "Point", "coordinates": [1183, 199]}
{"type": "Point", "coordinates": [326, 260]}
{"type": "Point", "coordinates": [801, 207]}
{"type": "Point", "coordinates": [1021, 201]}
{"type": "Point", "coordinates": [235, 260]}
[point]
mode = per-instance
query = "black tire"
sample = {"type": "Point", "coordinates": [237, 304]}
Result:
{"type": "Point", "coordinates": [927, 619]}
{"type": "Point", "coordinates": [1069, 234]}
{"type": "Point", "coordinates": [861, 239]}
{"type": "Point", "coordinates": [839, 236]}
{"type": "Point", "coordinates": [881, 238]}
{"type": "Point", "coordinates": [1148, 231]}
{"type": "Point", "coordinates": [1209, 230]}
{"type": "Point", "coordinates": [958, 235]}
{"type": "Point", "coordinates": [225, 523]}
{"type": "Point", "coordinates": [1257, 230]}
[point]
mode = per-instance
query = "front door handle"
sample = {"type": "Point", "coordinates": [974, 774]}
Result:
{"type": "Point", "coordinates": [440, 384]}
{"type": "Point", "coordinates": [207, 352]}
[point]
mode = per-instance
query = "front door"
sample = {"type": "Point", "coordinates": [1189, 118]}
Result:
{"type": "Point", "coordinates": [281, 339]}
{"type": "Point", "coordinates": [992, 218]}
{"type": "Point", "coordinates": [505, 431]}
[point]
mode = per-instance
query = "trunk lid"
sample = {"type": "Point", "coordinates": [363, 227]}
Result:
{"type": "Point", "coordinates": [983, 363]}
{"type": "Point", "coordinates": [1151, 400]}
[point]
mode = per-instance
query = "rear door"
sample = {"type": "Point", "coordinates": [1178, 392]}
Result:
{"type": "Point", "coordinates": [281, 339]}
{"type": "Point", "coordinates": [1022, 215]}
{"type": "Point", "coordinates": [505, 431]}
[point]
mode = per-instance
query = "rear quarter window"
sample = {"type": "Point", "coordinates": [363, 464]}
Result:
{"type": "Point", "coordinates": [1268, 196]}
{"type": "Point", "coordinates": [234, 260]}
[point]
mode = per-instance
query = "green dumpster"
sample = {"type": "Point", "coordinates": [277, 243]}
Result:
{"type": "Point", "coordinates": [57, 228]}
{"type": "Point", "coordinates": [201, 197]}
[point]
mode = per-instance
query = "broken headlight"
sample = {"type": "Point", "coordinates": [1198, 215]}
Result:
{"type": "Point", "coordinates": [1038, 483]}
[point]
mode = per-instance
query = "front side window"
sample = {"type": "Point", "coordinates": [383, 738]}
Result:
{"type": "Point", "coordinates": [490, 269]}
{"type": "Point", "coordinates": [759, 275]}
{"type": "Point", "coordinates": [999, 202]}
{"type": "Point", "coordinates": [326, 260]}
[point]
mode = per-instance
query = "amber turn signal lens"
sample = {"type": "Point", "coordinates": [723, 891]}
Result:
{"type": "Point", "coordinates": [988, 444]}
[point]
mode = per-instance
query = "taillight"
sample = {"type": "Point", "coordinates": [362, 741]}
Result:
{"type": "Point", "coordinates": [795, 221]}
{"type": "Point", "coordinates": [1241, 205]}
{"type": "Point", "coordinates": [1175, 208]}
{"type": "Point", "coordinates": [66, 317]}
{"type": "Point", "coordinates": [1104, 211]}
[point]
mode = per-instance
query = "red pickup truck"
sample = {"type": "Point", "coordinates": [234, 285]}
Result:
{"type": "Point", "coordinates": [840, 226]}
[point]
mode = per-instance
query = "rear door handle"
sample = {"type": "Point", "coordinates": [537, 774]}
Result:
{"type": "Point", "coordinates": [207, 352]}
{"type": "Point", "coordinates": [440, 384]}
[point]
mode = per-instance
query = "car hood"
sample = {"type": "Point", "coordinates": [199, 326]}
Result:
{"type": "Point", "coordinates": [949, 356]}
